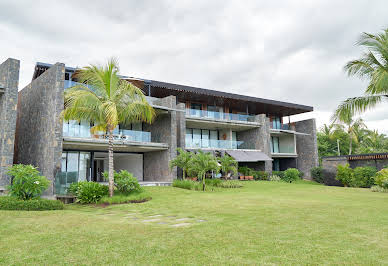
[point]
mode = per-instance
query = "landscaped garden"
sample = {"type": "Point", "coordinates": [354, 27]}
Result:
{"type": "Point", "coordinates": [262, 222]}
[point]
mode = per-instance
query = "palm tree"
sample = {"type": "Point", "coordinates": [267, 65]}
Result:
{"type": "Point", "coordinates": [106, 101]}
{"type": "Point", "coordinates": [373, 65]}
{"type": "Point", "coordinates": [353, 128]}
{"type": "Point", "coordinates": [228, 165]}
{"type": "Point", "coordinates": [181, 161]}
{"type": "Point", "coordinates": [201, 163]}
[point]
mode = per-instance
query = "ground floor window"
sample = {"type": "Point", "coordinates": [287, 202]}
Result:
{"type": "Point", "coordinates": [276, 165]}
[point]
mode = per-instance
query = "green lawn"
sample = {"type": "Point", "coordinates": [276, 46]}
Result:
{"type": "Point", "coordinates": [262, 223]}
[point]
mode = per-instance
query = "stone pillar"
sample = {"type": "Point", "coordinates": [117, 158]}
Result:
{"type": "Point", "coordinates": [39, 126]}
{"type": "Point", "coordinates": [306, 146]}
{"type": "Point", "coordinates": [258, 138]}
{"type": "Point", "coordinates": [9, 82]}
{"type": "Point", "coordinates": [164, 130]}
{"type": "Point", "coordinates": [181, 125]}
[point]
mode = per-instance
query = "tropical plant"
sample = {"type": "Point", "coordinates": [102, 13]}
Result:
{"type": "Point", "coordinates": [228, 165]}
{"type": "Point", "coordinates": [106, 101]}
{"type": "Point", "coordinates": [201, 163]}
{"type": "Point", "coordinates": [373, 66]}
{"type": "Point", "coordinates": [353, 129]}
{"type": "Point", "coordinates": [90, 192]}
{"type": "Point", "coordinates": [344, 174]}
{"type": "Point", "coordinates": [363, 176]}
{"type": "Point", "coordinates": [27, 183]}
{"type": "Point", "coordinates": [182, 161]}
{"type": "Point", "coordinates": [317, 174]}
{"type": "Point", "coordinates": [381, 178]}
{"type": "Point", "coordinates": [290, 175]}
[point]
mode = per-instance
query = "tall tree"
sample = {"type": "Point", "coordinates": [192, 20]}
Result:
{"type": "Point", "coordinates": [353, 128]}
{"type": "Point", "coordinates": [106, 101]}
{"type": "Point", "coordinates": [373, 66]}
{"type": "Point", "coordinates": [182, 161]}
{"type": "Point", "coordinates": [201, 163]}
{"type": "Point", "coordinates": [228, 165]}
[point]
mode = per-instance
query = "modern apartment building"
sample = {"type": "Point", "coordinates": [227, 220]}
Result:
{"type": "Point", "coordinates": [9, 81]}
{"type": "Point", "coordinates": [249, 129]}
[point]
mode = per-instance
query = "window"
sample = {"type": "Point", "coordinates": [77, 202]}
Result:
{"type": "Point", "coordinates": [276, 123]}
{"type": "Point", "coordinates": [212, 112]}
{"type": "Point", "coordinates": [275, 144]}
{"type": "Point", "coordinates": [205, 138]}
{"type": "Point", "coordinates": [196, 109]}
{"type": "Point", "coordinates": [276, 165]}
{"type": "Point", "coordinates": [201, 138]}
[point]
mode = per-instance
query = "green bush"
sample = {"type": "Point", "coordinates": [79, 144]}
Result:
{"type": "Point", "coordinates": [213, 182]}
{"type": "Point", "coordinates": [119, 198]}
{"type": "Point", "coordinates": [260, 175]}
{"type": "Point", "coordinates": [27, 183]}
{"type": "Point", "coordinates": [275, 178]}
{"type": "Point", "coordinates": [13, 203]}
{"type": "Point", "coordinates": [125, 182]}
{"type": "Point", "coordinates": [185, 184]}
{"type": "Point", "coordinates": [278, 173]}
{"type": "Point", "coordinates": [90, 192]}
{"type": "Point", "coordinates": [230, 184]}
{"type": "Point", "coordinates": [317, 174]}
{"type": "Point", "coordinates": [291, 174]}
{"type": "Point", "coordinates": [363, 177]}
{"type": "Point", "coordinates": [74, 188]}
{"type": "Point", "coordinates": [379, 189]}
{"type": "Point", "coordinates": [381, 178]}
{"type": "Point", "coordinates": [344, 174]}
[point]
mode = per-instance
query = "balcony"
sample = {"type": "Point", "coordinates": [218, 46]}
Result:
{"type": "Point", "coordinates": [213, 144]}
{"type": "Point", "coordinates": [195, 113]}
{"type": "Point", "coordinates": [82, 130]}
{"type": "Point", "coordinates": [280, 126]}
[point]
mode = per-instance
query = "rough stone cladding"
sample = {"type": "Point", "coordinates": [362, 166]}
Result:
{"type": "Point", "coordinates": [306, 146]}
{"type": "Point", "coordinates": [39, 128]}
{"type": "Point", "coordinates": [329, 166]}
{"type": "Point", "coordinates": [163, 129]}
{"type": "Point", "coordinates": [9, 81]}
{"type": "Point", "coordinates": [258, 138]}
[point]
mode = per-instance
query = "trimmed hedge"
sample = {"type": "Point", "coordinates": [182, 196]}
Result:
{"type": "Point", "coordinates": [12, 203]}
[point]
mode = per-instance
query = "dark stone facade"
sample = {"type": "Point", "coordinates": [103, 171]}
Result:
{"type": "Point", "coordinates": [306, 146]}
{"type": "Point", "coordinates": [39, 127]}
{"type": "Point", "coordinates": [9, 82]}
{"type": "Point", "coordinates": [329, 166]}
{"type": "Point", "coordinates": [163, 129]}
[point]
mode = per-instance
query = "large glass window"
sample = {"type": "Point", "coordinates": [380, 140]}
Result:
{"type": "Point", "coordinates": [212, 112]}
{"type": "Point", "coordinates": [205, 138]}
{"type": "Point", "coordinates": [276, 165]}
{"type": "Point", "coordinates": [275, 144]}
{"type": "Point", "coordinates": [214, 138]}
{"type": "Point", "coordinates": [234, 140]}
{"type": "Point", "coordinates": [276, 123]}
{"type": "Point", "coordinates": [196, 138]}
{"type": "Point", "coordinates": [196, 109]}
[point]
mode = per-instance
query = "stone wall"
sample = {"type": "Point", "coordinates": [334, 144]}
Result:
{"type": "Point", "coordinates": [9, 82]}
{"type": "Point", "coordinates": [39, 127]}
{"type": "Point", "coordinates": [306, 146]}
{"type": "Point", "coordinates": [329, 166]}
{"type": "Point", "coordinates": [163, 129]}
{"type": "Point", "coordinates": [258, 138]}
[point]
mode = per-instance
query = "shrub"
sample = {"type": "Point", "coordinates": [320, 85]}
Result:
{"type": "Point", "coordinates": [27, 183]}
{"type": "Point", "coordinates": [73, 188]}
{"type": "Point", "coordinates": [317, 174]}
{"type": "Point", "coordinates": [246, 171]}
{"type": "Point", "coordinates": [381, 178]}
{"type": "Point", "coordinates": [125, 182]}
{"type": "Point", "coordinates": [13, 203]}
{"type": "Point", "coordinates": [291, 174]}
{"type": "Point", "coordinates": [260, 175]}
{"type": "Point", "coordinates": [230, 184]}
{"type": "Point", "coordinates": [363, 177]}
{"type": "Point", "coordinates": [278, 173]}
{"type": "Point", "coordinates": [379, 189]}
{"type": "Point", "coordinates": [213, 182]}
{"type": "Point", "coordinates": [275, 178]}
{"type": "Point", "coordinates": [344, 174]}
{"type": "Point", "coordinates": [134, 197]}
{"type": "Point", "coordinates": [90, 192]}
{"type": "Point", "coordinates": [185, 184]}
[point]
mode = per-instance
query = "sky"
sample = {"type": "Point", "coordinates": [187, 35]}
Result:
{"type": "Point", "coordinates": [290, 51]}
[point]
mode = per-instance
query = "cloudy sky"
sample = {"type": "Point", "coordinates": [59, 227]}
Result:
{"type": "Point", "coordinates": [285, 50]}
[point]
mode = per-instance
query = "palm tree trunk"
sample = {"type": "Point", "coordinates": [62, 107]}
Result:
{"type": "Point", "coordinates": [111, 173]}
{"type": "Point", "coordinates": [350, 145]}
{"type": "Point", "coordinates": [184, 173]}
{"type": "Point", "coordinates": [203, 181]}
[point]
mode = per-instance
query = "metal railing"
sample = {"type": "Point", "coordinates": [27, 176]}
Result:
{"type": "Point", "coordinates": [219, 115]}
{"type": "Point", "coordinates": [216, 144]}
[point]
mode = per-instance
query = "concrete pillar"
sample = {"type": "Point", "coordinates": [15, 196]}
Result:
{"type": "Point", "coordinates": [9, 82]}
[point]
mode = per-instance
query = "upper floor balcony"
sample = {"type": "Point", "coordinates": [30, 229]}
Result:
{"type": "Point", "coordinates": [216, 115]}
{"type": "Point", "coordinates": [212, 144]}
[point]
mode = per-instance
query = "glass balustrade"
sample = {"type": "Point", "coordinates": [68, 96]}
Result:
{"type": "Point", "coordinates": [82, 130]}
{"type": "Point", "coordinates": [219, 115]}
{"type": "Point", "coordinates": [211, 143]}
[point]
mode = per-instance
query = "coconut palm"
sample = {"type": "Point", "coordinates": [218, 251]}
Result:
{"type": "Point", "coordinates": [353, 128]}
{"type": "Point", "coordinates": [182, 161]}
{"type": "Point", "coordinates": [228, 165]}
{"type": "Point", "coordinates": [201, 163]}
{"type": "Point", "coordinates": [106, 101]}
{"type": "Point", "coordinates": [373, 66]}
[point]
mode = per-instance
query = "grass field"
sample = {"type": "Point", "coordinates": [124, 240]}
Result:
{"type": "Point", "coordinates": [262, 223]}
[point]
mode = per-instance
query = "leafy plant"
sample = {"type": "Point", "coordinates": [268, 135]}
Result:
{"type": "Point", "coordinates": [275, 178]}
{"type": "Point", "coordinates": [230, 184]}
{"type": "Point", "coordinates": [73, 188]}
{"type": "Point", "coordinates": [381, 178]}
{"type": "Point", "coordinates": [36, 204]}
{"type": "Point", "coordinates": [134, 197]}
{"type": "Point", "coordinates": [90, 192]}
{"type": "Point", "coordinates": [185, 184]}
{"type": "Point", "coordinates": [27, 183]}
{"type": "Point", "coordinates": [317, 174]}
{"type": "Point", "coordinates": [278, 173]}
{"type": "Point", "coordinates": [344, 174]}
{"type": "Point", "coordinates": [291, 174]}
{"type": "Point", "coordinates": [125, 182]}
{"type": "Point", "coordinates": [182, 161]}
{"type": "Point", "coordinates": [201, 163]}
{"type": "Point", "coordinates": [246, 171]}
{"type": "Point", "coordinates": [213, 182]}
{"type": "Point", "coordinates": [228, 165]}
{"type": "Point", "coordinates": [379, 189]}
{"type": "Point", "coordinates": [107, 101]}
{"type": "Point", "coordinates": [363, 176]}
{"type": "Point", "coordinates": [260, 175]}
